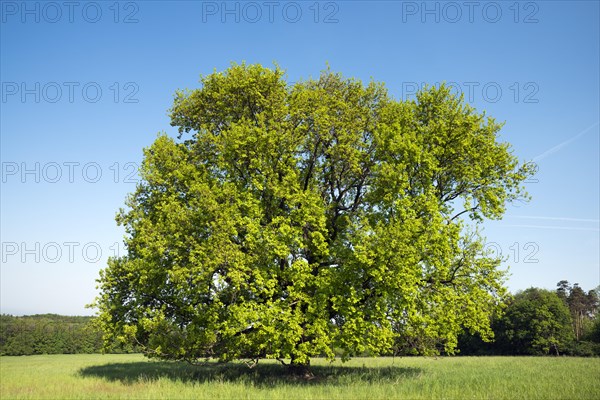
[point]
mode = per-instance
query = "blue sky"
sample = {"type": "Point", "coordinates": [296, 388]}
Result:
{"type": "Point", "coordinates": [86, 86]}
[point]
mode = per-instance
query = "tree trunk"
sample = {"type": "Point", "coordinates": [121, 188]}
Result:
{"type": "Point", "coordinates": [300, 369]}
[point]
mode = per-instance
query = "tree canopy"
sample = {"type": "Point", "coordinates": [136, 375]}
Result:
{"type": "Point", "coordinates": [583, 306]}
{"type": "Point", "coordinates": [536, 322]}
{"type": "Point", "coordinates": [48, 334]}
{"type": "Point", "coordinates": [295, 220]}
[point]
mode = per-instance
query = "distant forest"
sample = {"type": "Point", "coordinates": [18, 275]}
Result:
{"type": "Point", "coordinates": [543, 322]}
{"type": "Point", "coordinates": [52, 334]}
{"type": "Point", "coordinates": [535, 322]}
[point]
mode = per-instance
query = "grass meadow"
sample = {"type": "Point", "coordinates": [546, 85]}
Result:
{"type": "Point", "coordinates": [131, 376]}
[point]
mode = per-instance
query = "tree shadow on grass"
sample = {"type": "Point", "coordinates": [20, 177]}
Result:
{"type": "Point", "coordinates": [262, 375]}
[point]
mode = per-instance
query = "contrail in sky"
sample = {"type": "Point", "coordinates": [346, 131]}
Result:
{"type": "Point", "coordinates": [563, 144]}
{"type": "Point", "coordinates": [565, 228]}
{"type": "Point", "coordinates": [590, 220]}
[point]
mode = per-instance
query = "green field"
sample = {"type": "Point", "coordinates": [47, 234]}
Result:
{"type": "Point", "coordinates": [133, 377]}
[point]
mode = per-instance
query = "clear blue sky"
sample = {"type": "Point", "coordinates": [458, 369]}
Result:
{"type": "Point", "coordinates": [83, 94]}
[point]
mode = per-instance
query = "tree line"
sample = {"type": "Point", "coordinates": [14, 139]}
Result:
{"type": "Point", "coordinates": [543, 322]}
{"type": "Point", "coordinates": [53, 334]}
{"type": "Point", "coordinates": [534, 322]}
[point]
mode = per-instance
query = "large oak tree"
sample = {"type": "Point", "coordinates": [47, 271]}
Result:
{"type": "Point", "coordinates": [295, 219]}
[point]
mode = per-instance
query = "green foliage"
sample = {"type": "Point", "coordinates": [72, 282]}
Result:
{"type": "Point", "coordinates": [583, 306]}
{"type": "Point", "coordinates": [54, 334]}
{"type": "Point", "coordinates": [48, 334]}
{"type": "Point", "coordinates": [583, 348]}
{"type": "Point", "coordinates": [536, 322]}
{"type": "Point", "coordinates": [537, 313]}
{"type": "Point", "coordinates": [299, 219]}
{"type": "Point", "coordinates": [594, 333]}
